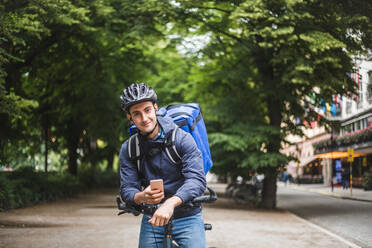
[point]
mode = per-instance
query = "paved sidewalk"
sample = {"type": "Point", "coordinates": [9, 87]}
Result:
{"type": "Point", "coordinates": [90, 220]}
{"type": "Point", "coordinates": [356, 194]}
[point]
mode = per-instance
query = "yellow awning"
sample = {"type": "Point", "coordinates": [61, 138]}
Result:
{"type": "Point", "coordinates": [337, 155]}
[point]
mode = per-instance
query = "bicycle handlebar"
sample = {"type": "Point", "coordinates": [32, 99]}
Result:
{"type": "Point", "coordinates": [212, 197]}
{"type": "Point", "coordinates": [138, 209]}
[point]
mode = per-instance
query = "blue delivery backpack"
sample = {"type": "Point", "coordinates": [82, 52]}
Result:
{"type": "Point", "coordinates": [187, 117]}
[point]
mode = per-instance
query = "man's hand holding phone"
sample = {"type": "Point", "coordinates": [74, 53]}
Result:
{"type": "Point", "coordinates": [154, 193]}
{"type": "Point", "coordinates": [163, 214]}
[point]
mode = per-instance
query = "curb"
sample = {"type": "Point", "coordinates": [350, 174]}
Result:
{"type": "Point", "coordinates": [330, 194]}
{"type": "Point", "coordinates": [330, 233]}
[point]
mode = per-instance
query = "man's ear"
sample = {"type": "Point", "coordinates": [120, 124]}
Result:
{"type": "Point", "coordinates": [129, 117]}
{"type": "Point", "coordinates": [156, 107]}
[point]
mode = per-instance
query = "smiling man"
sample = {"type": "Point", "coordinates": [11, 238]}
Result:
{"type": "Point", "coordinates": [182, 182]}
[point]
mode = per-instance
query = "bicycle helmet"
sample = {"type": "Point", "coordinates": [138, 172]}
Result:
{"type": "Point", "coordinates": [137, 93]}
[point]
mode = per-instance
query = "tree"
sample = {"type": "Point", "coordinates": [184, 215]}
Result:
{"type": "Point", "coordinates": [291, 49]}
{"type": "Point", "coordinates": [15, 110]}
{"type": "Point", "coordinates": [73, 58]}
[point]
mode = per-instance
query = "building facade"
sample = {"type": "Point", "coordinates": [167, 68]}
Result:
{"type": "Point", "coordinates": [325, 154]}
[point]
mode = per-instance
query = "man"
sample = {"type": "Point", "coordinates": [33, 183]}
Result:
{"type": "Point", "coordinates": [182, 182]}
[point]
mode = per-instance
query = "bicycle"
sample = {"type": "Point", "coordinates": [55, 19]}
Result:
{"type": "Point", "coordinates": [141, 209]}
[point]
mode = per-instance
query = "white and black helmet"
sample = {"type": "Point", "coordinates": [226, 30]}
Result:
{"type": "Point", "coordinates": [137, 93]}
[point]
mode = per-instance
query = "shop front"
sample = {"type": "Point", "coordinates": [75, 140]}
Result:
{"type": "Point", "coordinates": [312, 172]}
{"type": "Point", "coordinates": [338, 169]}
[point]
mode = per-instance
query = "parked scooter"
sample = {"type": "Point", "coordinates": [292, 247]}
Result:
{"type": "Point", "coordinates": [245, 192]}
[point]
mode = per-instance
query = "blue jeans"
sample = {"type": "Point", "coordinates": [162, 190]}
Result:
{"type": "Point", "coordinates": [187, 232]}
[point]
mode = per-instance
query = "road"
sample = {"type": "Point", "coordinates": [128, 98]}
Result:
{"type": "Point", "coordinates": [90, 221]}
{"type": "Point", "coordinates": [350, 219]}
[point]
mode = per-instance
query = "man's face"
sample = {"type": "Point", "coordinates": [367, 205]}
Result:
{"type": "Point", "coordinates": [143, 115]}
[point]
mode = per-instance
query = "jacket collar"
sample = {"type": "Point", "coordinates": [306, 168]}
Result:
{"type": "Point", "coordinates": [166, 124]}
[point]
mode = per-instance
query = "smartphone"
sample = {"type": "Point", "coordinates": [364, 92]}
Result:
{"type": "Point", "coordinates": [157, 184]}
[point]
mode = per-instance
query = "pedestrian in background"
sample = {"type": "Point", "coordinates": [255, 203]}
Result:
{"type": "Point", "coordinates": [285, 177]}
{"type": "Point", "coordinates": [345, 178]}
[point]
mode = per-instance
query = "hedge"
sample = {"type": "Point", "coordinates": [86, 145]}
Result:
{"type": "Point", "coordinates": [25, 187]}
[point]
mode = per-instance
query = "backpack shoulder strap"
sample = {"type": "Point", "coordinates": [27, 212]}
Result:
{"type": "Point", "coordinates": [170, 147]}
{"type": "Point", "coordinates": [136, 156]}
{"type": "Point", "coordinates": [134, 150]}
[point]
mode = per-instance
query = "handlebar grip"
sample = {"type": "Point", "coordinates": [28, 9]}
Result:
{"type": "Point", "coordinates": [121, 205]}
{"type": "Point", "coordinates": [126, 208]}
{"type": "Point", "coordinates": [212, 197]}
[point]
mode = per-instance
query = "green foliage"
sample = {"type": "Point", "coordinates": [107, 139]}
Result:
{"type": "Point", "coordinates": [276, 54]}
{"type": "Point", "coordinates": [25, 186]}
{"type": "Point", "coordinates": [15, 106]}
{"type": "Point", "coordinates": [169, 74]}
{"type": "Point", "coordinates": [350, 139]}
{"type": "Point", "coordinates": [72, 59]}
{"type": "Point", "coordinates": [241, 150]}
{"type": "Point", "coordinates": [96, 178]}
{"type": "Point", "coordinates": [15, 113]}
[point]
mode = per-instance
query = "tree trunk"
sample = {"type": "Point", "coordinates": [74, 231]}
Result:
{"type": "Point", "coordinates": [72, 155]}
{"type": "Point", "coordinates": [72, 137]}
{"type": "Point", "coordinates": [110, 159]}
{"type": "Point", "coordinates": [46, 155]}
{"type": "Point", "coordinates": [93, 152]}
{"type": "Point", "coordinates": [46, 134]}
{"type": "Point", "coordinates": [269, 185]}
{"type": "Point", "coordinates": [269, 189]}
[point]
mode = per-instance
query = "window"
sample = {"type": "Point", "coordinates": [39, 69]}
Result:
{"type": "Point", "coordinates": [363, 123]}
{"type": "Point", "coordinates": [369, 92]}
{"type": "Point", "coordinates": [348, 128]}
{"type": "Point", "coordinates": [357, 126]}
{"type": "Point", "coordinates": [348, 107]}
{"type": "Point", "coordinates": [360, 98]}
{"type": "Point", "coordinates": [369, 121]}
{"type": "Point", "coordinates": [369, 86]}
